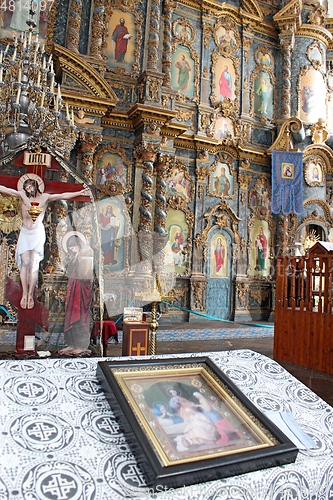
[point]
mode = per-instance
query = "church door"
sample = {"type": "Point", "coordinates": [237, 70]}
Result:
{"type": "Point", "coordinates": [219, 273]}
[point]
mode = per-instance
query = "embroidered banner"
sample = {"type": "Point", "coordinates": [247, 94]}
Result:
{"type": "Point", "coordinates": [287, 175]}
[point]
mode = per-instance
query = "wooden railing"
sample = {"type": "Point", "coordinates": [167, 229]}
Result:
{"type": "Point", "coordinates": [303, 333]}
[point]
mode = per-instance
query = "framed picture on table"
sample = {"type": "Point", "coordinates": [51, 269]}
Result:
{"type": "Point", "coordinates": [187, 422]}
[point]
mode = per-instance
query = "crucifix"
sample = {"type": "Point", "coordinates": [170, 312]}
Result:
{"type": "Point", "coordinates": [30, 247]}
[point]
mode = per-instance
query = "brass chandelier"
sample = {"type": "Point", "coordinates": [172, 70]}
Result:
{"type": "Point", "coordinates": [30, 100]}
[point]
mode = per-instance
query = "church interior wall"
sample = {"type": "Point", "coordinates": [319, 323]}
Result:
{"type": "Point", "coordinates": [193, 153]}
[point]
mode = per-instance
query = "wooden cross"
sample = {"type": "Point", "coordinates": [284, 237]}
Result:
{"type": "Point", "coordinates": [27, 318]}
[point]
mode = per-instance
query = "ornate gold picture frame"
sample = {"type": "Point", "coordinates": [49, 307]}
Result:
{"type": "Point", "coordinates": [187, 422]}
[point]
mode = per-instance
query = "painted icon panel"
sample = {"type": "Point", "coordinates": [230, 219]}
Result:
{"type": "Point", "coordinates": [219, 253]}
{"type": "Point", "coordinates": [222, 181]}
{"type": "Point", "coordinates": [259, 258]}
{"type": "Point", "coordinates": [111, 219]}
{"type": "Point", "coordinates": [226, 38]}
{"type": "Point", "coordinates": [120, 43]}
{"type": "Point", "coordinates": [263, 95]}
{"type": "Point", "coordinates": [111, 167]}
{"type": "Point", "coordinates": [178, 185]}
{"type": "Point", "coordinates": [224, 128]}
{"type": "Point", "coordinates": [312, 90]}
{"type": "Point", "coordinates": [183, 71]}
{"type": "Point", "coordinates": [224, 85]}
{"type": "Point", "coordinates": [177, 229]}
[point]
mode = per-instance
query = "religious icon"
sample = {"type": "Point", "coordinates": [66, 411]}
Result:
{"type": "Point", "coordinates": [224, 86]}
{"type": "Point", "coordinates": [313, 172]}
{"type": "Point", "coordinates": [223, 129]}
{"type": "Point", "coordinates": [177, 228]}
{"type": "Point", "coordinates": [178, 185]}
{"type": "Point", "coordinates": [287, 170]}
{"type": "Point", "coordinates": [183, 31]}
{"type": "Point", "coordinates": [120, 37]}
{"type": "Point", "coordinates": [183, 71]}
{"type": "Point", "coordinates": [30, 244]}
{"type": "Point", "coordinates": [225, 83]}
{"type": "Point", "coordinates": [227, 39]}
{"type": "Point", "coordinates": [261, 250]}
{"type": "Point", "coordinates": [80, 271]}
{"type": "Point", "coordinates": [264, 58]}
{"type": "Point", "coordinates": [109, 226]}
{"type": "Point", "coordinates": [312, 96]}
{"type": "Point", "coordinates": [111, 168]}
{"type": "Point", "coordinates": [219, 256]}
{"type": "Point", "coordinates": [120, 43]}
{"type": "Point", "coordinates": [222, 182]}
{"type": "Point", "coordinates": [263, 95]}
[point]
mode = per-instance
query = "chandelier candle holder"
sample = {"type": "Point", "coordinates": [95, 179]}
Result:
{"type": "Point", "coordinates": [157, 291]}
{"type": "Point", "coordinates": [30, 100]}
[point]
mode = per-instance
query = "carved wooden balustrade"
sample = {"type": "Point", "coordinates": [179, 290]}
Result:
{"type": "Point", "coordinates": [303, 333]}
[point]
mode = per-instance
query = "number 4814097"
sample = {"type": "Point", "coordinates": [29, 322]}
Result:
{"type": "Point", "coordinates": [37, 5]}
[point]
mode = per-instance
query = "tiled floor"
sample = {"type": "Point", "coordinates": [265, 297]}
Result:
{"type": "Point", "coordinates": [320, 383]}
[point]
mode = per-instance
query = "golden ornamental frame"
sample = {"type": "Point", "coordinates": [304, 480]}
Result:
{"type": "Point", "coordinates": [195, 58]}
{"type": "Point", "coordinates": [178, 164]}
{"type": "Point", "coordinates": [222, 158]}
{"type": "Point", "coordinates": [118, 150]}
{"type": "Point", "coordinates": [177, 203]}
{"type": "Point", "coordinates": [183, 38]}
{"type": "Point", "coordinates": [320, 164]}
{"type": "Point", "coordinates": [261, 214]}
{"type": "Point", "coordinates": [231, 104]}
{"type": "Point", "coordinates": [263, 49]}
{"type": "Point", "coordinates": [254, 76]}
{"type": "Point", "coordinates": [316, 64]}
{"type": "Point", "coordinates": [128, 8]}
{"type": "Point", "coordinates": [129, 388]}
{"type": "Point", "coordinates": [228, 23]}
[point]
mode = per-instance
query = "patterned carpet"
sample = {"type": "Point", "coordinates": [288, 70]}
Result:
{"type": "Point", "coordinates": [8, 334]}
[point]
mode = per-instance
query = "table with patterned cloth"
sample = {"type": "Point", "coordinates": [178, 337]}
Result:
{"type": "Point", "coordinates": [59, 439]}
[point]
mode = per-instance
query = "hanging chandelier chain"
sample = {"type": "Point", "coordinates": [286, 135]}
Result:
{"type": "Point", "coordinates": [31, 107]}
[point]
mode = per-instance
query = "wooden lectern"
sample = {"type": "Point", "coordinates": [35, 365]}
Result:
{"type": "Point", "coordinates": [135, 338]}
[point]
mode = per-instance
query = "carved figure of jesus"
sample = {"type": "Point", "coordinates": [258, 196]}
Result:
{"type": "Point", "coordinates": [30, 244]}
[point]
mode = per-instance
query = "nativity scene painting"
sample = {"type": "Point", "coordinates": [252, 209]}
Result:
{"type": "Point", "coordinates": [175, 248]}
{"type": "Point", "coordinates": [187, 417]}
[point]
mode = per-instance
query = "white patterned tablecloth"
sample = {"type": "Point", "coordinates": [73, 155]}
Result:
{"type": "Point", "coordinates": [59, 439]}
